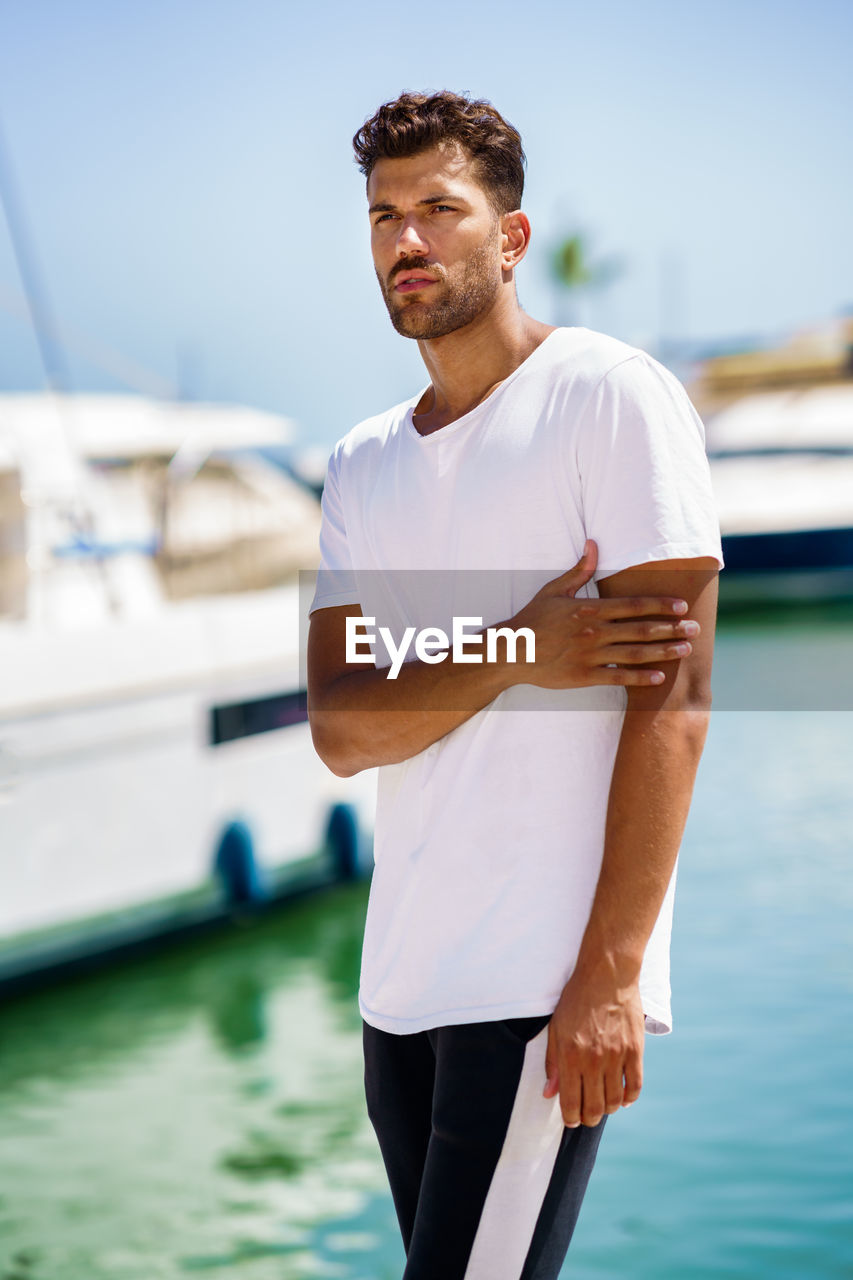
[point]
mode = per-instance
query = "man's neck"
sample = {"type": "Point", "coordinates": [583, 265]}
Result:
{"type": "Point", "coordinates": [466, 366]}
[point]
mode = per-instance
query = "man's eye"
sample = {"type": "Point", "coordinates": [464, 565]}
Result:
{"type": "Point", "coordinates": [382, 217]}
{"type": "Point", "coordinates": [445, 208]}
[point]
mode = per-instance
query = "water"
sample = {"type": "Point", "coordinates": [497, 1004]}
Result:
{"type": "Point", "coordinates": [200, 1114]}
{"type": "Point", "coordinates": [739, 1159]}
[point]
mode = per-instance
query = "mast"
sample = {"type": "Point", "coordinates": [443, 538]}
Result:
{"type": "Point", "coordinates": [52, 358]}
{"type": "Point", "coordinates": [44, 326]}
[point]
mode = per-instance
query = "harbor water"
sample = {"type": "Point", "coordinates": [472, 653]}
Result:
{"type": "Point", "coordinates": [199, 1112]}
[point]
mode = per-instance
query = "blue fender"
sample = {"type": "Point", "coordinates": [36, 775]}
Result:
{"type": "Point", "coordinates": [343, 838]}
{"type": "Point", "coordinates": [237, 868]}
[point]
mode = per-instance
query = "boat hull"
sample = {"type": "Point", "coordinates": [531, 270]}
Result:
{"type": "Point", "coordinates": [789, 565]}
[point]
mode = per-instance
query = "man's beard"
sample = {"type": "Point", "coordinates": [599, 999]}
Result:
{"type": "Point", "coordinates": [462, 300]}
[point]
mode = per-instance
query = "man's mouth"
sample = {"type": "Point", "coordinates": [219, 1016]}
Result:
{"type": "Point", "coordinates": [409, 282]}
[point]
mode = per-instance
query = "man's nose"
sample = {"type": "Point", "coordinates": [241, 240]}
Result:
{"type": "Point", "coordinates": [410, 241]}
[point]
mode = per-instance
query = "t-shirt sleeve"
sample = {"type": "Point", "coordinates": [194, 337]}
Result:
{"type": "Point", "coordinates": [336, 580]}
{"type": "Point", "coordinates": [644, 476]}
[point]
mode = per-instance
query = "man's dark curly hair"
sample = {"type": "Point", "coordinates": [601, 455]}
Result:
{"type": "Point", "coordinates": [417, 121]}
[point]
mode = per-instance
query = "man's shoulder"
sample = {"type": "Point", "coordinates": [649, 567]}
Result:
{"type": "Point", "coordinates": [372, 434]}
{"type": "Point", "coordinates": [586, 356]}
{"type": "Point", "coordinates": [587, 362]}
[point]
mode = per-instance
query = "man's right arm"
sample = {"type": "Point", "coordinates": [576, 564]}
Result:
{"type": "Point", "coordinates": [359, 718]}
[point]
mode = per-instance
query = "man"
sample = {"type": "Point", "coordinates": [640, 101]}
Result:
{"type": "Point", "coordinates": [530, 811]}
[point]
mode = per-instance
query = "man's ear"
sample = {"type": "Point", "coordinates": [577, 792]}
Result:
{"type": "Point", "coordinates": [515, 228]}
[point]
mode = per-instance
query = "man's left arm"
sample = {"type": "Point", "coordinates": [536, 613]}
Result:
{"type": "Point", "coordinates": [596, 1035]}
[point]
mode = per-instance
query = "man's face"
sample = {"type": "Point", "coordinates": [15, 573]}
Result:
{"type": "Point", "coordinates": [436, 242]}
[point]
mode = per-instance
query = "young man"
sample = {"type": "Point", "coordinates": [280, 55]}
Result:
{"type": "Point", "coordinates": [529, 812]}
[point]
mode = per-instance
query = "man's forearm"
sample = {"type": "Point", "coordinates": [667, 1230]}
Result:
{"type": "Point", "coordinates": [650, 795]}
{"type": "Point", "coordinates": [595, 1041]}
{"type": "Point", "coordinates": [360, 718]}
{"type": "Point", "coordinates": [365, 719]}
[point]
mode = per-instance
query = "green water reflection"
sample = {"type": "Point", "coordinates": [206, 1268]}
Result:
{"type": "Point", "coordinates": [199, 1112]}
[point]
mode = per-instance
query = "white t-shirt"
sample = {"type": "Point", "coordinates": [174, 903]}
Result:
{"type": "Point", "coordinates": [488, 844]}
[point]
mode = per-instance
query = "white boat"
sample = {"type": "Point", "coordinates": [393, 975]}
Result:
{"type": "Point", "coordinates": [782, 469]}
{"type": "Point", "coordinates": [156, 767]}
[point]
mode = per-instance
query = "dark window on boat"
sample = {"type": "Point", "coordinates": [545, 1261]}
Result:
{"type": "Point", "coordinates": [243, 719]}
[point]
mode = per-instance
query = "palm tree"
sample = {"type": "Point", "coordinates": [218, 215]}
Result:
{"type": "Point", "coordinates": [576, 276]}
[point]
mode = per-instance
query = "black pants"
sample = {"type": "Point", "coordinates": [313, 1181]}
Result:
{"type": "Point", "coordinates": [487, 1181]}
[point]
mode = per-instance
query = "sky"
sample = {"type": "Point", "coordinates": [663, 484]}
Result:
{"type": "Point", "coordinates": [186, 171]}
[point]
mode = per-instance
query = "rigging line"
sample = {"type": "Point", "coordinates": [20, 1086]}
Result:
{"type": "Point", "coordinates": [50, 349]}
{"type": "Point", "coordinates": [41, 316]}
{"type": "Point", "coordinates": [105, 358]}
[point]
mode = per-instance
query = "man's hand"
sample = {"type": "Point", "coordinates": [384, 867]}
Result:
{"type": "Point", "coordinates": [579, 642]}
{"type": "Point", "coordinates": [595, 1049]}
{"type": "Point", "coordinates": [582, 642]}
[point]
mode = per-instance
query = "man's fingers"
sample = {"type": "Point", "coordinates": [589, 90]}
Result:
{"type": "Point", "coordinates": [613, 1089]}
{"type": "Point", "coordinates": [573, 579]}
{"type": "Point", "coordinates": [637, 606]}
{"type": "Point", "coordinates": [647, 631]}
{"type": "Point", "coordinates": [633, 1079]}
{"type": "Point", "coordinates": [593, 1108]}
{"type": "Point", "coordinates": [586, 1098]}
{"type": "Point", "coordinates": [570, 1098]}
{"type": "Point", "coordinates": [552, 1080]}
{"type": "Point", "coordinates": [637, 653]}
{"type": "Point", "coordinates": [626, 676]}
